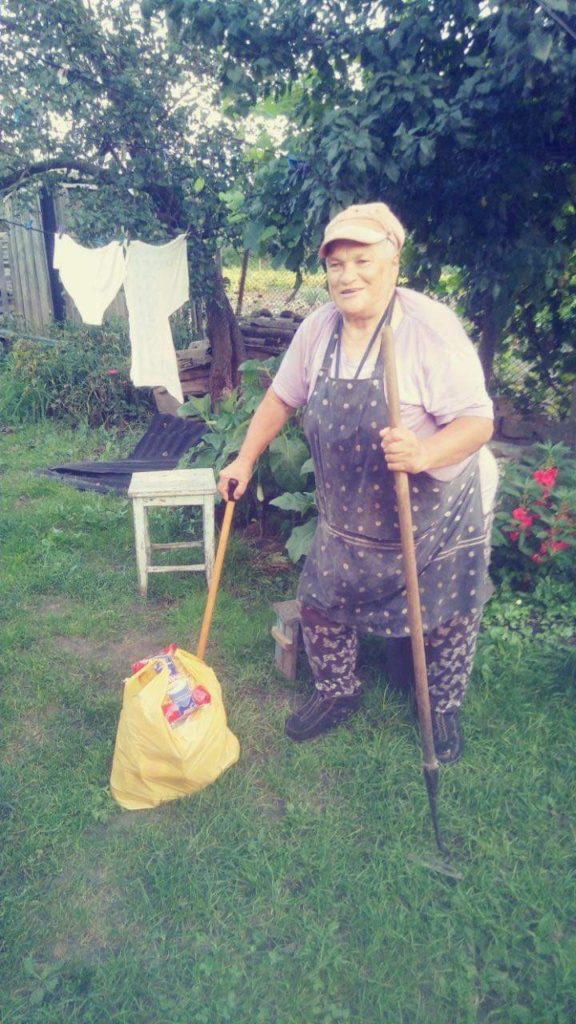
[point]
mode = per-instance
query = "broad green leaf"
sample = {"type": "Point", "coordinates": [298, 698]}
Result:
{"type": "Point", "coordinates": [197, 407]}
{"type": "Point", "coordinates": [287, 456]}
{"type": "Point", "coordinates": [300, 540]}
{"type": "Point", "coordinates": [295, 501]}
{"type": "Point", "coordinates": [252, 235]}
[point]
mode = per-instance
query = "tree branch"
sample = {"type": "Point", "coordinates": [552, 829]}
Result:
{"type": "Point", "coordinates": [93, 171]}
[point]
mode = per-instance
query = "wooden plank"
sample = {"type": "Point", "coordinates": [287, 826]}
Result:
{"type": "Point", "coordinates": [39, 259]}
{"type": "Point", "coordinates": [17, 296]}
{"type": "Point", "coordinates": [5, 289]}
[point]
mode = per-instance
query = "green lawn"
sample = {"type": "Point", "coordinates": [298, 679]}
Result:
{"type": "Point", "coordinates": [292, 891]}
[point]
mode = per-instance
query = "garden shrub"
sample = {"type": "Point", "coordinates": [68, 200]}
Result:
{"type": "Point", "coordinates": [80, 374]}
{"type": "Point", "coordinates": [283, 470]}
{"type": "Point", "coordinates": [535, 522]}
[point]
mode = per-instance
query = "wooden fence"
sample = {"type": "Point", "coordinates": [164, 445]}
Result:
{"type": "Point", "coordinates": [24, 270]}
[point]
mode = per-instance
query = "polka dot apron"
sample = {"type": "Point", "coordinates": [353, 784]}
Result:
{"type": "Point", "coordinates": [354, 571]}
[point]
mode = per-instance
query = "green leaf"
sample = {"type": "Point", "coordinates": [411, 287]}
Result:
{"type": "Point", "coordinates": [300, 540]}
{"type": "Point", "coordinates": [427, 150]}
{"type": "Point", "coordinates": [234, 74]}
{"type": "Point", "coordinates": [287, 456]}
{"type": "Point", "coordinates": [199, 184]}
{"type": "Point", "coordinates": [392, 170]}
{"type": "Point", "coordinates": [295, 501]}
{"type": "Point", "coordinates": [252, 235]}
{"type": "Point", "coordinates": [268, 233]}
{"type": "Point", "coordinates": [197, 407]}
{"type": "Point", "coordinates": [540, 43]}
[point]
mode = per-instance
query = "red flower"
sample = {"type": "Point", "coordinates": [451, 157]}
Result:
{"type": "Point", "coordinates": [112, 373]}
{"type": "Point", "coordinates": [523, 516]}
{"type": "Point", "coordinates": [559, 545]}
{"type": "Point", "coordinates": [514, 534]}
{"type": "Point", "coordinates": [545, 477]}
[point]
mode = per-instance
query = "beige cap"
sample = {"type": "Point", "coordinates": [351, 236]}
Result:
{"type": "Point", "coordinates": [368, 223]}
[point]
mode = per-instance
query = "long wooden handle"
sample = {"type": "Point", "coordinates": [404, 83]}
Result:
{"type": "Point", "coordinates": [217, 571]}
{"type": "Point", "coordinates": [409, 561]}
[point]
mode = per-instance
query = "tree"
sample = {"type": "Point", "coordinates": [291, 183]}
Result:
{"type": "Point", "coordinates": [458, 113]}
{"type": "Point", "coordinates": [92, 96]}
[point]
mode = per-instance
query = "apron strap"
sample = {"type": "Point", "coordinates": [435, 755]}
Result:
{"type": "Point", "coordinates": [384, 320]}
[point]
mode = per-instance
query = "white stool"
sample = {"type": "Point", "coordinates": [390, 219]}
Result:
{"type": "Point", "coordinates": [166, 489]}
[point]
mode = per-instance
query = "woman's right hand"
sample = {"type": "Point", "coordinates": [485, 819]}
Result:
{"type": "Point", "coordinates": [240, 469]}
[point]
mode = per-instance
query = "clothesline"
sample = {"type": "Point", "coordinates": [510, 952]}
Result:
{"type": "Point", "coordinates": [41, 231]}
{"type": "Point", "coordinates": [27, 227]}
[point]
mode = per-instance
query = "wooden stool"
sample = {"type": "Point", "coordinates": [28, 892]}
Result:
{"type": "Point", "coordinates": [167, 489]}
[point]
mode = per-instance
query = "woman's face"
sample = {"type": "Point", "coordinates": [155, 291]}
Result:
{"type": "Point", "coordinates": [361, 278]}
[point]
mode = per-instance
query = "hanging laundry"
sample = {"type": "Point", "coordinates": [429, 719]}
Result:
{"type": "Point", "coordinates": [92, 277]}
{"type": "Point", "coordinates": [156, 285]}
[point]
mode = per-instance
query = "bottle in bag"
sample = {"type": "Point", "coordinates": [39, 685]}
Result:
{"type": "Point", "coordinates": [182, 697]}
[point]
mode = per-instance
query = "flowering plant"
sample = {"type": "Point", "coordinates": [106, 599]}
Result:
{"type": "Point", "coordinates": [535, 521]}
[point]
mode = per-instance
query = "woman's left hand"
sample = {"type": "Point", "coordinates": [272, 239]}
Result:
{"type": "Point", "coordinates": [403, 451]}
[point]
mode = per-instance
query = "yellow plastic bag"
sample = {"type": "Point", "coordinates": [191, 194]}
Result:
{"type": "Point", "coordinates": [154, 763]}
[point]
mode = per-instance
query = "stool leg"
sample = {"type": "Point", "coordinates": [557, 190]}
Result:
{"type": "Point", "coordinates": [142, 537]}
{"type": "Point", "coordinates": [208, 525]}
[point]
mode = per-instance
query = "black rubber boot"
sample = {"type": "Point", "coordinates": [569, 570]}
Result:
{"type": "Point", "coordinates": [320, 713]}
{"type": "Point", "coordinates": [448, 738]}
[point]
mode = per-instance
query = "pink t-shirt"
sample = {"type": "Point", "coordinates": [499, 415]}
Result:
{"type": "Point", "coordinates": [440, 377]}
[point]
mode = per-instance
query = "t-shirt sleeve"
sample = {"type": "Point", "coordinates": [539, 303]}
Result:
{"type": "Point", "coordinates": [293, 378]}
{"type": "Point", "coordinates": [453, 380]}
{"type": "Point", "coordinates": [290, 380]}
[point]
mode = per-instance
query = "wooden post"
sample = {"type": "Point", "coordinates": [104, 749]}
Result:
{"type": "Point", "coordinates": [242, 284]}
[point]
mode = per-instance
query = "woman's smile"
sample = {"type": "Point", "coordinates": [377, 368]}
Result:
{"type": "Point", "coordinates": [361, 278]}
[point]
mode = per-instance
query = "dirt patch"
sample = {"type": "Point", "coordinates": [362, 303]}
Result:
{"type": "Point", "coordinates": [37, 735]}
{"type": "Point", "coordinates": [94, 920]}
{"type": "Point", "coordinates": [115, 657]}
{"type": "Point", "coordinates": [54, 606]}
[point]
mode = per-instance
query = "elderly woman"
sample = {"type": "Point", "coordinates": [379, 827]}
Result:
{"type": "Point", "coordinates": [352, 580]}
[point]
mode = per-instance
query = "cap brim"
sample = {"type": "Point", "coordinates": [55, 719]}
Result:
{"type": "Point", "coordinates": [363, 235]}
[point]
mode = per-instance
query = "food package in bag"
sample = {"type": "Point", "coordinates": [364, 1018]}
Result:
{"type": "Point", "coordinates": [153, 762]}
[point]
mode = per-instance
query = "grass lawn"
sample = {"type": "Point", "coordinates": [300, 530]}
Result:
{"type": "Point", "coordinates": [292, 891]}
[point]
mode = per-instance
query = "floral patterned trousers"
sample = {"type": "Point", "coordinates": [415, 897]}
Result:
{"type": "Point", "coordinates": [332, 649]}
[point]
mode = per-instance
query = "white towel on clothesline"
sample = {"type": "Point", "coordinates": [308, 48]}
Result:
{"type": "Point", "coordinates": [156, 285]}
{"type": "Point", "coordinates": [92, 277]}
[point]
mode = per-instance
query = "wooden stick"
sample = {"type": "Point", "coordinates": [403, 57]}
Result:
{"type": "Point", "coordinates": [409, 559]}
{"type": "Point", "coordinates": [217, 571]}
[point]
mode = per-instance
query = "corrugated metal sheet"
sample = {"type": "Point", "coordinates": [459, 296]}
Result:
{"type": "Point", "coordinates": [161, 447]}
